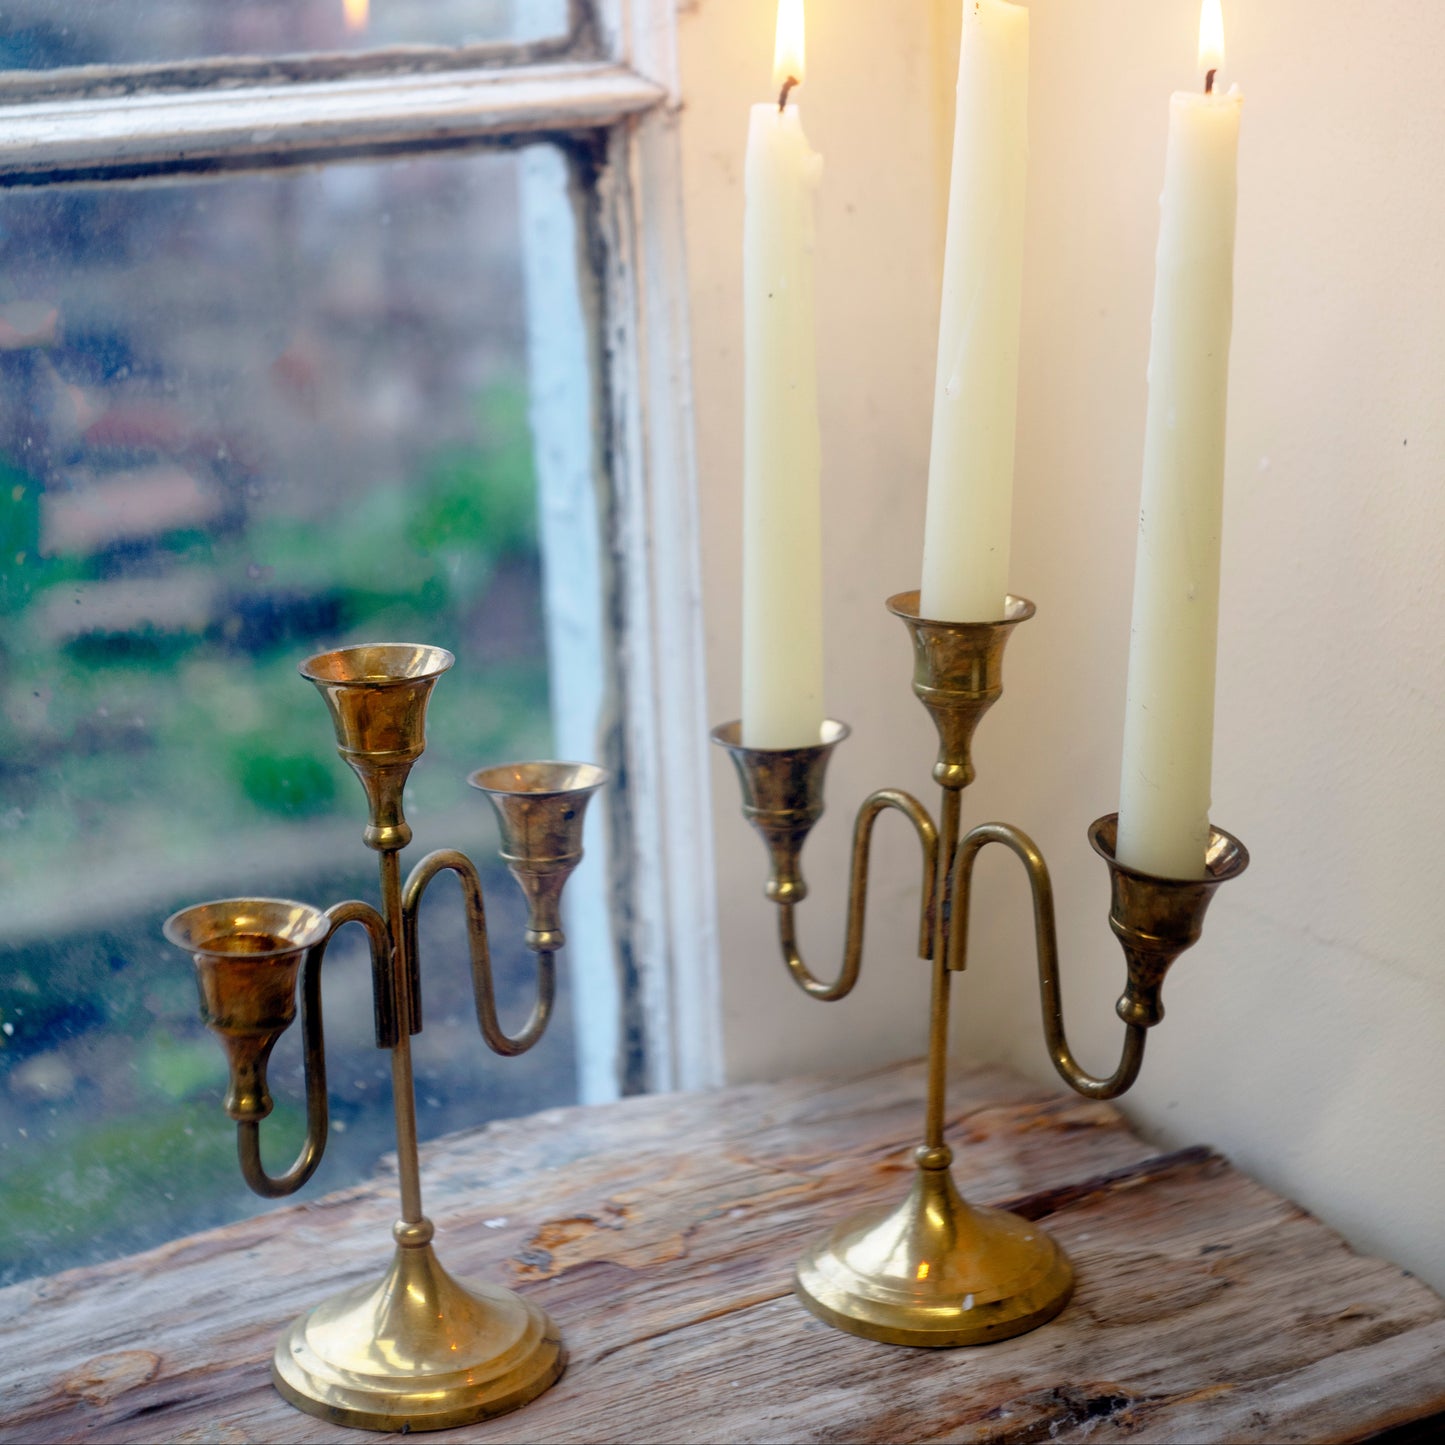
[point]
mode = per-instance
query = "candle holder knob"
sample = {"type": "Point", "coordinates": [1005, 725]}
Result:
{"type": "Point", "coordinates": [377, 696]}
{"type": "Point", "coordinates": [541, 807]}
{"type": "Point", "coordinates": [247, 953]}
{"type": "Point", "coordinates": [957, 676]}
{"type": "Point", "coordinates": [782, 792]}
{"type": "Point", "coordinates": [1156, 919]}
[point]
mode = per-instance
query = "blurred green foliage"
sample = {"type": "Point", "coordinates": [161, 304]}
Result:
{"type": "Point", "coordinates": [159, 744]}
{"type": "Point", "coordinates": [87, 1180]}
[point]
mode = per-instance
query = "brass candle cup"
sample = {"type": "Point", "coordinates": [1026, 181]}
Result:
{"type": "Point", "coordinates": [377, 696]}
{"type": "Point", "coordinates": [782, 798]}
{"type": "Point", "coordinates": [247, 954]}
{"type": "Point", "coordinates": [1156, 919]}
{"type": "Point", "coordinates": [935, 1270]}
{"type": "Point", "coordinates": [957, 676]}
{"type": "Point", "coordinates": [415, 1350]}
{"type": "Point", "coordinates": [540, 809]}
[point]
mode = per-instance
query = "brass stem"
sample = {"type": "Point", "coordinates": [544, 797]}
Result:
{"type": "Point", "coordinates": [403, 1087]}
{"type": "Point", "coordinates": [938, 1000]}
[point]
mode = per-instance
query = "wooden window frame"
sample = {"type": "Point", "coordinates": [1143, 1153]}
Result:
{"type": "Point", "coordinates": [610, 85]}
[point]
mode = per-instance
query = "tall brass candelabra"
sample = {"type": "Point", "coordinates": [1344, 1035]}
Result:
{"type": "Point", "coordinates": [936, 1270]}
{"type": "Point", "coordinates": [417, 1350]}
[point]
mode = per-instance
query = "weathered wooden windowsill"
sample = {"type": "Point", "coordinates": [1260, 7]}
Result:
{"type": "Point", "coordinates": [660, 1233]}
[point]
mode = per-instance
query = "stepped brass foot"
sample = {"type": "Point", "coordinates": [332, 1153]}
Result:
{"type": "Point", "coordinates": [935, 1270]}
{"type": "Point", "coordinates": [417, 1351]}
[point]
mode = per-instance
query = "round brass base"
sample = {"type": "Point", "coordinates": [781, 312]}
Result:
{"type": "Point", "coordinates": [935, 1271]}
{"type": "Point", "coordinates": [417, 1351]}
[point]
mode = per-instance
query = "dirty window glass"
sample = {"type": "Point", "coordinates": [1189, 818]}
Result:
{"type": "Point", "coordinates": [45, 34]}
{"type": "Point", "coordinates": [242, 420]}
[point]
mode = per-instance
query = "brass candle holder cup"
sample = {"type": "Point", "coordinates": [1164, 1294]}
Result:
{"type": "Point", "coordinates": [415, 1350]}
{"type": "Point", "coordinates": [934, 1269]}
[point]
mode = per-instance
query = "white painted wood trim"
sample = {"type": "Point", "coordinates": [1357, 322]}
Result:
{"type": "Point", "coordinates": [681, 717]}
{"type": "Point", "coordinates": [642, 34]}
{"type": "Point", "coordinates": [143, 134]}
{"type": "Point", "coordinates": [565, 398]}
{"type": "Point", "coordinates": [674, 935]}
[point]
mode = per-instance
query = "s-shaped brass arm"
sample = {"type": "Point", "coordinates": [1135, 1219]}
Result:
{"type": "Point", "coordinates": [248, 1131]}
{"type": "Point", "coordinates": [868, 814]}
{"type": "Point", "coordinates": [1047, 946]}
{"type": "Point", "coordinates": [449, 860]}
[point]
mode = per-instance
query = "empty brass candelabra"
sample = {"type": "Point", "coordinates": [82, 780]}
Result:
{"type": "Point", "coordinates": [936, 1270]}
{"type": "Point", "coordinates": [416, 1350]}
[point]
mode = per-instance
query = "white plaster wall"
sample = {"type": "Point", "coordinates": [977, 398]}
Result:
{"type": "Point", "coordinates": [1304, 1035]}
{"type": "Point", "coordinates": [870, 110]}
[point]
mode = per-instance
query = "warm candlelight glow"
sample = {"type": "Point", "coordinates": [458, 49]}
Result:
{"type": "Point", "coordinates": [788, 52]}
{"type": "Point", "coordinates": [1211, 36]}
{"type": "Point", "coordinates": [356, 13]}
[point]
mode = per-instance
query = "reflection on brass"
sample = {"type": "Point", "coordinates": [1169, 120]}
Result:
{"type": "Point", "coordinates": [782, 799]}
{"type": "Point", "coordinates": [935, 1270]}
{"type": "Point", "coordinates": [418, 1350]}
{"type": "Point", "coordinates": [1156, 919]}
{"type": "Point", "coordinates": [539, 807]}
{"type": "Point", "coordinates": [247, 955]}
{"type": "Point", "coordinates": [377, 697]}
{"type": "Point", "coordinates": [957, 676]}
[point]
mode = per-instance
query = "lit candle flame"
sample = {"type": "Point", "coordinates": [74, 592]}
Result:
{"type": "Point", "coordinates": [356, 13]}
{"type": "Point", "coordinates": [1211, 36]}
{"type": "Point", "coordinates": [788, 51]}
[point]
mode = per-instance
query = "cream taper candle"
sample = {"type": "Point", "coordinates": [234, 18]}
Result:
{"type": "Point", "coordinates": [1164, 792]}
{"type": "Point", "coordinates": [971, 464]}
{"type": "Point", "coordinates": [782, 449]}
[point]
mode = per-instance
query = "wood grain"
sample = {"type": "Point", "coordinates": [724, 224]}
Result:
{"type": "Point", "coordinates": [660, 1233]}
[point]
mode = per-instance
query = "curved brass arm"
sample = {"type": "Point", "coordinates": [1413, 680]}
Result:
{"type": "Point", "coordinates": [448, 860]}
{"type": "Point", "coordinates": [1047, 946]}
{"type": "Point", "coordinates": [248, 1132]}
{"type": "Point", "coordinates": [873, 805]}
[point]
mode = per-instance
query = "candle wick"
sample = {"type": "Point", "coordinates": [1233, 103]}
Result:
{"type": "Point", "coordinates": [788, 84]}
{"type": "Point", "coordinates": [1209, 82]}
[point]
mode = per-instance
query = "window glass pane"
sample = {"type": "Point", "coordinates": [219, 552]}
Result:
{"type": "Point", "coordinates": [44, 34]}
{"type": "Point", "coordinates": [242, 420]}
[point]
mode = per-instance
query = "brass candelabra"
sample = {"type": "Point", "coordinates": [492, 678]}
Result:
{"type": "Point", "coordinates": [936, 1270]}
{"type": "Point", "coordinates": [416, 1350]}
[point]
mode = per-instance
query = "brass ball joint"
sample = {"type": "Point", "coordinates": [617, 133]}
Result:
{"type": "Point", "coordinates": [934, 1269]}
{"type": "Point", "coordinates": [417, 1350]}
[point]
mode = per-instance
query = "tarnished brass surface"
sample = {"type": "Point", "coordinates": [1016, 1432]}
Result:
{"type": "Point", "coordinates": [540, 807]}
{"type": "Point", "coordinates": [935, 1270]}
{"type": "Point", "coordinates": [1156, 919]}
{"type": "Point", "coordinates": [377, 696]}
{"type": "Point", "coordinates": [782, 798]}
{"type": "Point", "coordinates": [417, 1351]}
{"type": "Point", "coordinates": [957, 676]}
{"type": "Point", "coordinates": [247, 954]}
